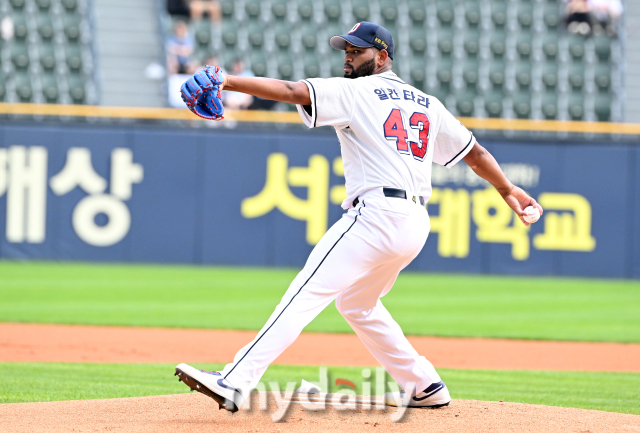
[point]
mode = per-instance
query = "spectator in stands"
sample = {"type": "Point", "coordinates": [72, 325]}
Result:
{"type": "Point", "coordinates": [180, 49]}
{"type": "Point", "coordinates": [236, 100]}
{"type": "Point", "coordinates": [606, 14]}
{"type": "Point", "coordinates": [195, 9]}
{"type": "Point", "coordinates": [578, 17]}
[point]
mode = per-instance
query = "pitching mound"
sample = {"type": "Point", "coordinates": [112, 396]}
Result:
{"type": "Point", "coordinates": [197, 413]}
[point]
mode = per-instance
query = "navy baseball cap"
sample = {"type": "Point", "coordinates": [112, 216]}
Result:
{"type": "Point", "coordinates": [365, 35]}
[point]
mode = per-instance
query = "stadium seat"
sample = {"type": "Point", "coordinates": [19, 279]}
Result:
{"type": "Point", "coordinates": [465, 103]}
{"type": "Point", "coordinates": [499, 14]}
{"type": "Point", "coordinates": [602, 77]}
{"type": "Point", "coordinates": [497, 74]}
{"type": "Point", "coordinates": [43, 5]}
{"type": "Point", "coordinates": [493, 104]}
{"type": "Point", "coordinates": [361, 10]}
{"type": "Point", "coordinates": [388, 12]}
{"type": "Point", "coordinates": [550, 46]}
{"type": "Point", "coordinates": [20, 57]}
{"type": "Point", "coordinates": [253, 9]}
{"type": "Point", "coordinates": [445, 13]}
{"type": "Point", "coordinates": [74, 59]}
{"type": "Point", "coordinates": [576, 47]}
{"type": "Point", "coordinates": [498, 44]}
{"type": "Point", "coordinates": [439, 93]}
{"type": "Point", "coordinates": [418, 41]}
{"type": "Point", "coordinates": [279, 10]}
{"type": "Point", "coordinates": [470, 74]}
{"type": "Point", "coordinates": [3, 88]}
{"type": "Point", "coordinates": [50, 91]}
{"type": "Point", "coordinates": [472, 43]}
{"type": "Point", "coordinates": [230, 35]}
{"type": "Point", "coordinates": [337, 64]}
{"type": "Point", "coordinates": [418, 72]}
{"type": "Point", "coordinates": [525, 16]}
{"type": "Point", "coordinates": [45, 27]}
{"type": "Point", "coordinates": [72, 28]}
{"type": "Point", "coordinates": [17, 5]}
{"type": "Point", "coordinates": [444, 74]}
{"type": "Point", "coordinates": [576, 106]}
{"type": "Point", "coordinates": [23, 88]}
{"type": "Point", "coordinates": [77, 91]}
{"type": "Point", "coordinates": [550, 75]}
{"type": "Point", "coordinates": [333, 10]}
{"type": "Point", "coordinates": [524, 46]}
{"type": "Point", "coordinates": [282, 36]}
{"type": "Point", "coordinates": [285, 66]}
{"type": "Point", "coordinates": [523, 75]}
{"type": "Point", "coordinates": [417, 13]}
{"type": "Point", "coordinates": [20, 27]}
{"type": "Point", "coordinates": [575, 76]}
{"type": "Point", "coordinates": [332, 29]}
{"type": "Point", "coordinates": [603, 47]}
{"type": "Point", "coordinates": [202, 31]}
{"type": "Point", "coordinates": [258, 63]}
{"type": "Point", "coordinates": [549, 105]}
{"type": "Point", "coordinates": [445, 42]}
{"type": "Point", "coordinates": [309, 37]}
{"type": "Point", "coordinates": [472, 15]}
{"type": "Point", "coordinates": [228, 8]}
{"type": "Point", "coordinates": [69, 5]}
{"type": "Point", "coordinates": [522, 104]}
{"type": "Point", "coordinates": [602, 107]}
{"type": "Point", "coordinates": [305, 10]}
{"type": "Point", "coordinates": [551, 17]}
{"type": "Point", "coordinates": [47, 57]}
{"type": "Point", "coordinates": [256, 36]}
{"type": "Point", "coordinates": [311, 66]}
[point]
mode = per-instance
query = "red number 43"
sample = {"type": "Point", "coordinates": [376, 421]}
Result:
{"type": "Point", "coordinates": [394, 130]}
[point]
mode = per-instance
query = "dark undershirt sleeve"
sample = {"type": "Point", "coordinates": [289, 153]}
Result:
{"type": "Point", "coordinates": [307, 109]}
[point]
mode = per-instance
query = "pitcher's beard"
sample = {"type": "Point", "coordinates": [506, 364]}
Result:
{"type": "Point", "coordinates": [363, 70]}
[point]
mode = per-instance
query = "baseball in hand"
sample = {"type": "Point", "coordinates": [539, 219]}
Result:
{"type": "Point", "coordinates": [532, 214]}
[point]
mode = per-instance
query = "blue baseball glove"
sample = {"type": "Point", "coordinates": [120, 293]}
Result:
{"type": "Point", "coordinates": [201, 93]}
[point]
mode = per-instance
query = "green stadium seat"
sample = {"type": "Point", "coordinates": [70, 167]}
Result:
{"type": "Point", "coordinates": [551, 17]}
{"type": "Point", "coordinates": [230, 35]}
{"type": "Point", "coordinates": [3, 87]}
{"type": "Point", "coordinates": [550, 76]}
{"type": "Point", "coordinates": [417, 13]}
{"type": "Point", "coordinates": [576, 47]}
{"type": "Point", "coordinates": [256, 36]}
{"type": "Point", "coordinates": [472, 43]}
{"type": "Point", "coordinates": [228, 9]}
{"type": "Point", "coordinates": [523, 75]}
{"type": "Point", "coordinates": [45, 27]}
{"type": "Point", "coordinates": [470, 74]}
{"type": "Point", "coordinates": [497, 74]}
{"type": "Point", "coordinates": [445, 42]}
{"type": "Point", "coordinates": [332, 29]}
{"type": "Point", "coordinates": [77, 91]}
{"type": "Point", "coordinates": [73, 56]}
{"type": "Point", "coordinates": [603, 47]}
{"type": "Point", "coordinates": [20, 27]}
{"type": "Point", "coordinates": [337, 63]}
{"type": "Point", "coordinates": [282, 36]}
{"type": "Point", "coordinates": [72, 28]}
{"type": "Point", "coordinates": [493, 104]}
{"type": "Point", "coordinates": [549, 105]}
{"type": "Point", "coordinates": [445, 13]}
{"type": "Point", "coordinates": [525, 16]}
{"type": "Point", "coordinates": [418, 72]}
{"type": "Point", "coordinates": [20, 56]}
{"type": "Point", "coordinates": [472, 15]}
{"type": "Point", "coordinates": [499, 14]}
{"type": "Point", "coordinates": [440, 94]}
{"type": "Point", "coordinates": [23, 88]}
{"type": "Point", "coordinates": [305, 10]}
{"type": "Point", "coordinates": [418, 41]}
{"type": "Point", "coordinates": [50, 91]}
{"type": "Point", "coordinates": [69, 6]}
{"type": "Point", "coordinates": [602, 107]}
{"type": "Point", "coordinates": [17, 5]}
{"type": "Point", "coordinates": [279, 10]}
{"type": "Point", "coordinates": [465, 103]}
{"type": "Point", "coordinates": [602, 77]}
{"type": "Point", "coordinates": [202, 32]}
{"type": "Point", "coordinates": [333, 10]}
{"type": "Point", "coordinates": [550, 46]}
{"type": "Point", "coordinates": [522, 104]}
{"type": "Point", "coordinates": [309, 37]}
{"type": "Point", "coordinates": [576, 106]}
{"type": "Point", "coordinates": [47, 57]}
{"type": "Point", "coordinates": [253, 10]}
{"type": "Point", "coordinates": [524, 46]}
{"type": "Point", "coordinates": [361, 10]}
{"type": "Point", "coordinates": [43, 5]}
{"type": "Point", "coordinates": [311, 65]}
{"type": "Point", "coordinates": [575, 76]}
{"type": "Point", "coordinates": [285, 66]}
{"type": "Point", "coordinates": [498, 44]}
{"type": "Point", "coordinates": [444, 74]}
{"type": "Point", "coordinates": [389, 13]}
{"type": "Point", "coordinates": [258, 63]}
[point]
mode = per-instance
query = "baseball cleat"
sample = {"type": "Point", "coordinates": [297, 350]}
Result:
{"type": "Point", "coordinates": [435, 396]}
{"type": "Point", "coordinates": [211, 384]}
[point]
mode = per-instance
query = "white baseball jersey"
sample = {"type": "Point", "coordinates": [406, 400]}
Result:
{"type": "Point", "coordinates": [389, 131]}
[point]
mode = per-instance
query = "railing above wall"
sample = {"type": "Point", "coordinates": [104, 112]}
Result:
{"type": "Point", "coordinates": [287, 117]}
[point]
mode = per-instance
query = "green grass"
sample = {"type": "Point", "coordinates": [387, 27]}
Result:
{"type": "Point", "coordinates": [28, 382]}
{"type": "Point", "coordinates": [243, 298]}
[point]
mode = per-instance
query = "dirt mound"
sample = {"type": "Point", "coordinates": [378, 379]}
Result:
{"type": "Point", "coordinates": [197, 413]}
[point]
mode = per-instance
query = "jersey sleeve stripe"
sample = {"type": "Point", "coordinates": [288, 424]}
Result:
{"type": "Point", "coordinates": [314, 109]}
{"type": "Point", "coordinates": [463, 152]}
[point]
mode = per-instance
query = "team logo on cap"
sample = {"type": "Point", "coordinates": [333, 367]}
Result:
{"type": "Point", "coordinates": [354, 28]}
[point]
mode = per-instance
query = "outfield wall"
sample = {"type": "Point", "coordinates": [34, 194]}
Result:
{"type": "Point", "coordinates": [213, 196]}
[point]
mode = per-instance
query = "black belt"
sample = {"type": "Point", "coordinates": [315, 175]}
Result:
{"type": "Point", "coordinates": [394, 192]}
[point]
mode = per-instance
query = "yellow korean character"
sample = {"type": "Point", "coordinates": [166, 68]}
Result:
{"type": "Point", "coordinates": [565, 231]}
{"type": "Point", "coordinates": [453, 221]}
